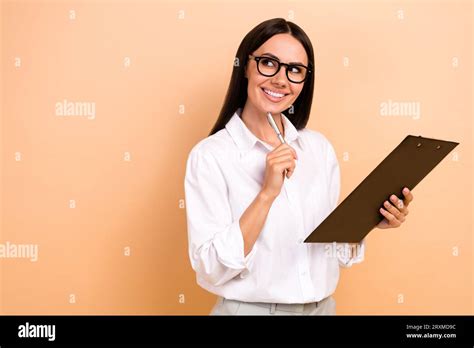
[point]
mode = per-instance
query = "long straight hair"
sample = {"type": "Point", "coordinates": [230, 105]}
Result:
{"type": "Point", "coordinates": [236, 95]}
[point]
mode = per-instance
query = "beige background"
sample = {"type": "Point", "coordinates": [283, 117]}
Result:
{"type": "Point", "coordinates": [181, 56]}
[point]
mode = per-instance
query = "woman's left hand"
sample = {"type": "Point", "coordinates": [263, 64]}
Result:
{"type": "Point", "coordinates": [395, 211]}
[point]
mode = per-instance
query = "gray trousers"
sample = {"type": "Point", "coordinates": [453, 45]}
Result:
{"type": "Point", "coordinates": [224, 306]}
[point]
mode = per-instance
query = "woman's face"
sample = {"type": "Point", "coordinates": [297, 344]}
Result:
{"type": "Point", "coordinates": [287, 49]}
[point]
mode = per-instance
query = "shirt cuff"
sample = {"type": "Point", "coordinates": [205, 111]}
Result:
{"type": "Point", "coordinates": [229, 246]}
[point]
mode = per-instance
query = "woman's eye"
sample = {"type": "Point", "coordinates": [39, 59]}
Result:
{"type": "Point", "coordinates": [268, 62]}
{"type": "Point", "coordinates": [295, 70]}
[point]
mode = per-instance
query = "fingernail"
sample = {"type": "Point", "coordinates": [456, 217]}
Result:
{"type": "Point", "coordinates": [405, 190]}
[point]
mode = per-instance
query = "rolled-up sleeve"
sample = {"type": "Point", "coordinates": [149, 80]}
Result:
{"type": "Point", "coordinates": [216, 245]}
{"type": "Point", "coordinates": [347, 255]}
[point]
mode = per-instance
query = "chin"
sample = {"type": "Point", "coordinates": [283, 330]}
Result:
{"type": "Point", "coordinates": [275, 109]}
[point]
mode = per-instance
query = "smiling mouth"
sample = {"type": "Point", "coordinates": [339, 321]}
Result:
{"type": "Point", "coordinates": [274, 96]}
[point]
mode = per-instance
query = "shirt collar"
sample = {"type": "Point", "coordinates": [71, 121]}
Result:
{"type": "Point", "coordinates": [245, 139]}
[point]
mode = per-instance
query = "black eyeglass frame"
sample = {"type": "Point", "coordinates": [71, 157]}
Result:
{"type": "Point", "coordinates": [287, 66]}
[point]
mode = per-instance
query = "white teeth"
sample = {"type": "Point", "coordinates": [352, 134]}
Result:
{"type": "Point", "coordinates": [273, 94]}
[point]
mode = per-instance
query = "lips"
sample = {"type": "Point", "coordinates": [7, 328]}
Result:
{"type": "Point", "coordinates": [273, 95]}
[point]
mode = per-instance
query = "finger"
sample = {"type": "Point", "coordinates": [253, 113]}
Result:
{"type": "Point", "coordinates": [408, 196]}
{"type": "Point", "coordinates": [394, 211]}
{"type": "Point", "coordinates": [391, 219]}
{"type": "Point", "coordinates": [288, 164]}
{"type": "Point", "coordinates": [282, 158]}
{"type": "Point", "coordinates": [289, 167]}
{"type": "Point", "coordinates": [285, 152]}
{"type": "Point", "coordinates": [397, 202]}
{"type": "Point", "coordinates": [285, 147]}
{"type": "Point", "coordinates": [288, 150]}
{"type": "Point", "coordinates": [276, 159]}
{"type": "Point", "coordinates": [280, 167]}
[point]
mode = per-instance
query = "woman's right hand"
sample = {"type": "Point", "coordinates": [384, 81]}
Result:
{"type": "Point", "coordinates": [281, 158]}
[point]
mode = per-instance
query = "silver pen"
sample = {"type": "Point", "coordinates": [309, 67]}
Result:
{"type": "Point", "coordinates": [277, 131]}
{"type": "Point", "coordinates": [274, 126]}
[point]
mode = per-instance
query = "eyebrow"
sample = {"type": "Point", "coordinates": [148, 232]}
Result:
{"type": "Point", "coordinates": [273, 56]}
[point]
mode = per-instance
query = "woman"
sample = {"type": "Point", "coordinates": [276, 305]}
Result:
{"type": "Point", "coordinates": [251, 201]}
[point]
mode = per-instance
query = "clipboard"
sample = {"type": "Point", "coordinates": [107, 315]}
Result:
{"type": "Point", "coordinates": [359, 213]}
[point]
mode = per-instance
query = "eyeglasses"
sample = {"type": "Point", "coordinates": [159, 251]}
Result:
{"type": "Point", "coordinates": [269, 67]}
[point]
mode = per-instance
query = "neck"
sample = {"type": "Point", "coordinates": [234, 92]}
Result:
{"type": "Point", "coordinates": [256, 121]}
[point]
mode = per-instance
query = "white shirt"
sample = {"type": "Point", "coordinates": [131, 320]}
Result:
{"type": "Point", "coordinates": [224, 174]}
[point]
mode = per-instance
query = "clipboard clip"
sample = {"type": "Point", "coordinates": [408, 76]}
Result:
{"type": "Point", "coordinates": [437, 147]}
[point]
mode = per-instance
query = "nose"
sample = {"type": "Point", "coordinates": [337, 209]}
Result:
{"type": "Point", "coordinates": [280, 78]}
